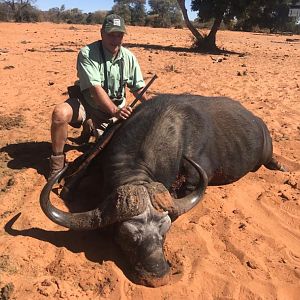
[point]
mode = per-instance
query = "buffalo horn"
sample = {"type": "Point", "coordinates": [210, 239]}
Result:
{"type": "Point", "coordinates": [114, 210]}
{"type": "Point", "coordinates": [186, 203]}
{"type": "Point", "coordinates": [77, 221]}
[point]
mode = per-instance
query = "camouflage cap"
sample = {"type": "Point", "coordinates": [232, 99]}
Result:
{"type": "Point", "coordinates": [113, 23]}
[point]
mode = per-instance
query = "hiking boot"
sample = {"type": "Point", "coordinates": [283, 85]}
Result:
{"type": "Point", "coordinates": [57, 163]}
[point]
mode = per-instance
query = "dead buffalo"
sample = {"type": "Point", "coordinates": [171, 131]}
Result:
{"type": "Point", "coordinates": [157, 167]}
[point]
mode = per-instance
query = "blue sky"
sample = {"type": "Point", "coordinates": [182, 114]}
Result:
{"type": "Point", "coordinates": [90, 5]}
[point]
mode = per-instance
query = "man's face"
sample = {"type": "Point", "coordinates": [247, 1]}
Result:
{"type": "Point", "coordinates": [112, 41]}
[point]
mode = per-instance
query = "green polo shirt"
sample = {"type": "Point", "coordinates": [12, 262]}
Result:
{"type": "Point", "coordinates": [90, 71]}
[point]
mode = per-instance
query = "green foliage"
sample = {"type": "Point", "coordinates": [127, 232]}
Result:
{"type": "Point", "coordinates": [244, 15]}
{"type": "Point", "coordinates": [31, 14]}
{"type": "Point", "coordinates": [70, 16]}
{"type": "Point", "coordinates": [271, 14]}
{"type": "Point", "coordinates": [54, 15]}
{"type": "Point", "coordinates": [123, 10]}
{"type": "Point", "coordinates": [97, 17]}
{"type": "Point", "coordinates": [238, 14]}
{"type": "Point", "coordinates": [133, 12]}
{"type": "Point", "coordinates": [18, 10]}
{"type": "Point", "coordinates": [73, 16]}
{"type": "Point", "coordinates": [138, 14]}
{"type": "Point", "coordinates": [5, 12]}
{"type": "Point", "coordinates": [164, 14]}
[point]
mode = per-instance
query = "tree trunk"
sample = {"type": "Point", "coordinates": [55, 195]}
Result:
{"type": "Point", "coordinates": [12, 5]}
{"type": "Point", "coordinates": [208, 42]}
{"type": "Point", "coordinates": [211, 38]}
{"type": "Point", "coordinates": [188, 23]}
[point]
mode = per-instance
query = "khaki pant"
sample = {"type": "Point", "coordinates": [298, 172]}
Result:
{"type": "Point", "coordinates": [83, 112]}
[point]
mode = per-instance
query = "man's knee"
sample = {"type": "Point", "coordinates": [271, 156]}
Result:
{"type": "Point", "coordinates": [62, 113]}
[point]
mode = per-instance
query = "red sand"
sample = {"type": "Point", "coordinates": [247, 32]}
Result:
{"type": "Point", "coordinates": [241, 242]}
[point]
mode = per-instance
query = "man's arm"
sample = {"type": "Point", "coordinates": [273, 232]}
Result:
{"type": "Point", "coordinates": [105, 104]}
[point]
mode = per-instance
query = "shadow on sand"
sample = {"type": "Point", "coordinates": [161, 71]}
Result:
{"type": "Point", "coordinates": [181, 49]}
{"type": "Point", "coordinates": [98, 246]}
{"type": "Point", "coordinates": [32, 155]}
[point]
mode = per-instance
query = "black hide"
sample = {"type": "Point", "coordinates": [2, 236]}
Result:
{"type": "Point", "coordinates": [222, 136]}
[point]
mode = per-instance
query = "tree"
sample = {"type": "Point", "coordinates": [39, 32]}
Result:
{"type": "Point", "coordinates": [73, 16]}
{"type": "Point", "coordinates": [18, 7]}
{"type": "Point", "coordinates": [165, 13]}
{"type": "Point", "coordinates": [54, 15]}
{"type": "Point", "coordinates": [31, 14]}
{"type": "Point", "coordinates": [273, 15]}
{"type": "Point", "coordinates": [260, 12]}
{"type": "Point", "coordinates": [138, 13]}
{"type": "Point", "coordinates": [5, 12]}
{"type": "Point", "coordinates": [133, 11]}
{"type": "Point", "coordinates": [96, 17]}
{"type": "Point", "coordinates": [218, 10]}
{"type": "Point", "coordinates": [122, 8]}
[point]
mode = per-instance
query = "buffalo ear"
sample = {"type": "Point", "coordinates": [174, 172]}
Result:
{"type": "Point", "coordinates": [127, 202]}
{"type": "Point", "coordinates": [163, 201]}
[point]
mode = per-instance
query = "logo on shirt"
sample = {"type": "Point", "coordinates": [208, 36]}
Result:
{"type": "Point", "coordinates": [117, 22]}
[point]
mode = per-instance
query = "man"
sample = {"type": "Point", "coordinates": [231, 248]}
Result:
{"type": "Point", "coordinates": [104, 68]}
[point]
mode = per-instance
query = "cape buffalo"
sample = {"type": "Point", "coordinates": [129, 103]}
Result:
{"type": "Point", "coordinates": [157, 167]}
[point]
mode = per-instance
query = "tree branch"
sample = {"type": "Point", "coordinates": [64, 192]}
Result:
{"type": "Point", "coordinates": [188, 23]}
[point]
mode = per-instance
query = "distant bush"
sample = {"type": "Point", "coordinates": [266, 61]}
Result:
{"type": "Point", "coordinates": [6, 13]}
{"type": "Point", "coordinates": [162, 14]}
{"type": "Point", "coordinates": [96, 17]}
{"type": "Point", "coordinates": [31, 14]}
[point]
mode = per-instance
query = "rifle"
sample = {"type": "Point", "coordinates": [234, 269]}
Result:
{"type": "Point", "coordinates": [101, 143]}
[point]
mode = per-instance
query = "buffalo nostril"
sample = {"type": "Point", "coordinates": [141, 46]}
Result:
{"type": "Point", "coordinates": [154, 264]}
{"type": "Point", "coordinates": [154, 280]}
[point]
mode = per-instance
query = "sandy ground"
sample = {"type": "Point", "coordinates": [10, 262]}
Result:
{"type": "Point", "coordinates": [241, 242]}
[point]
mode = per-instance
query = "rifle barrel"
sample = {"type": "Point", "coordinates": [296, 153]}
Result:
{"type": "Point", "coordinates": [142, 92]}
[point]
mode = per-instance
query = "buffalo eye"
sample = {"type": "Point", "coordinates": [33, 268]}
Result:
{"type": "Point", "coordinates": [129, 232]}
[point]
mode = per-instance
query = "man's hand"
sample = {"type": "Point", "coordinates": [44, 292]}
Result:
{"type": "Point", "coordinates": [123, 113]}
